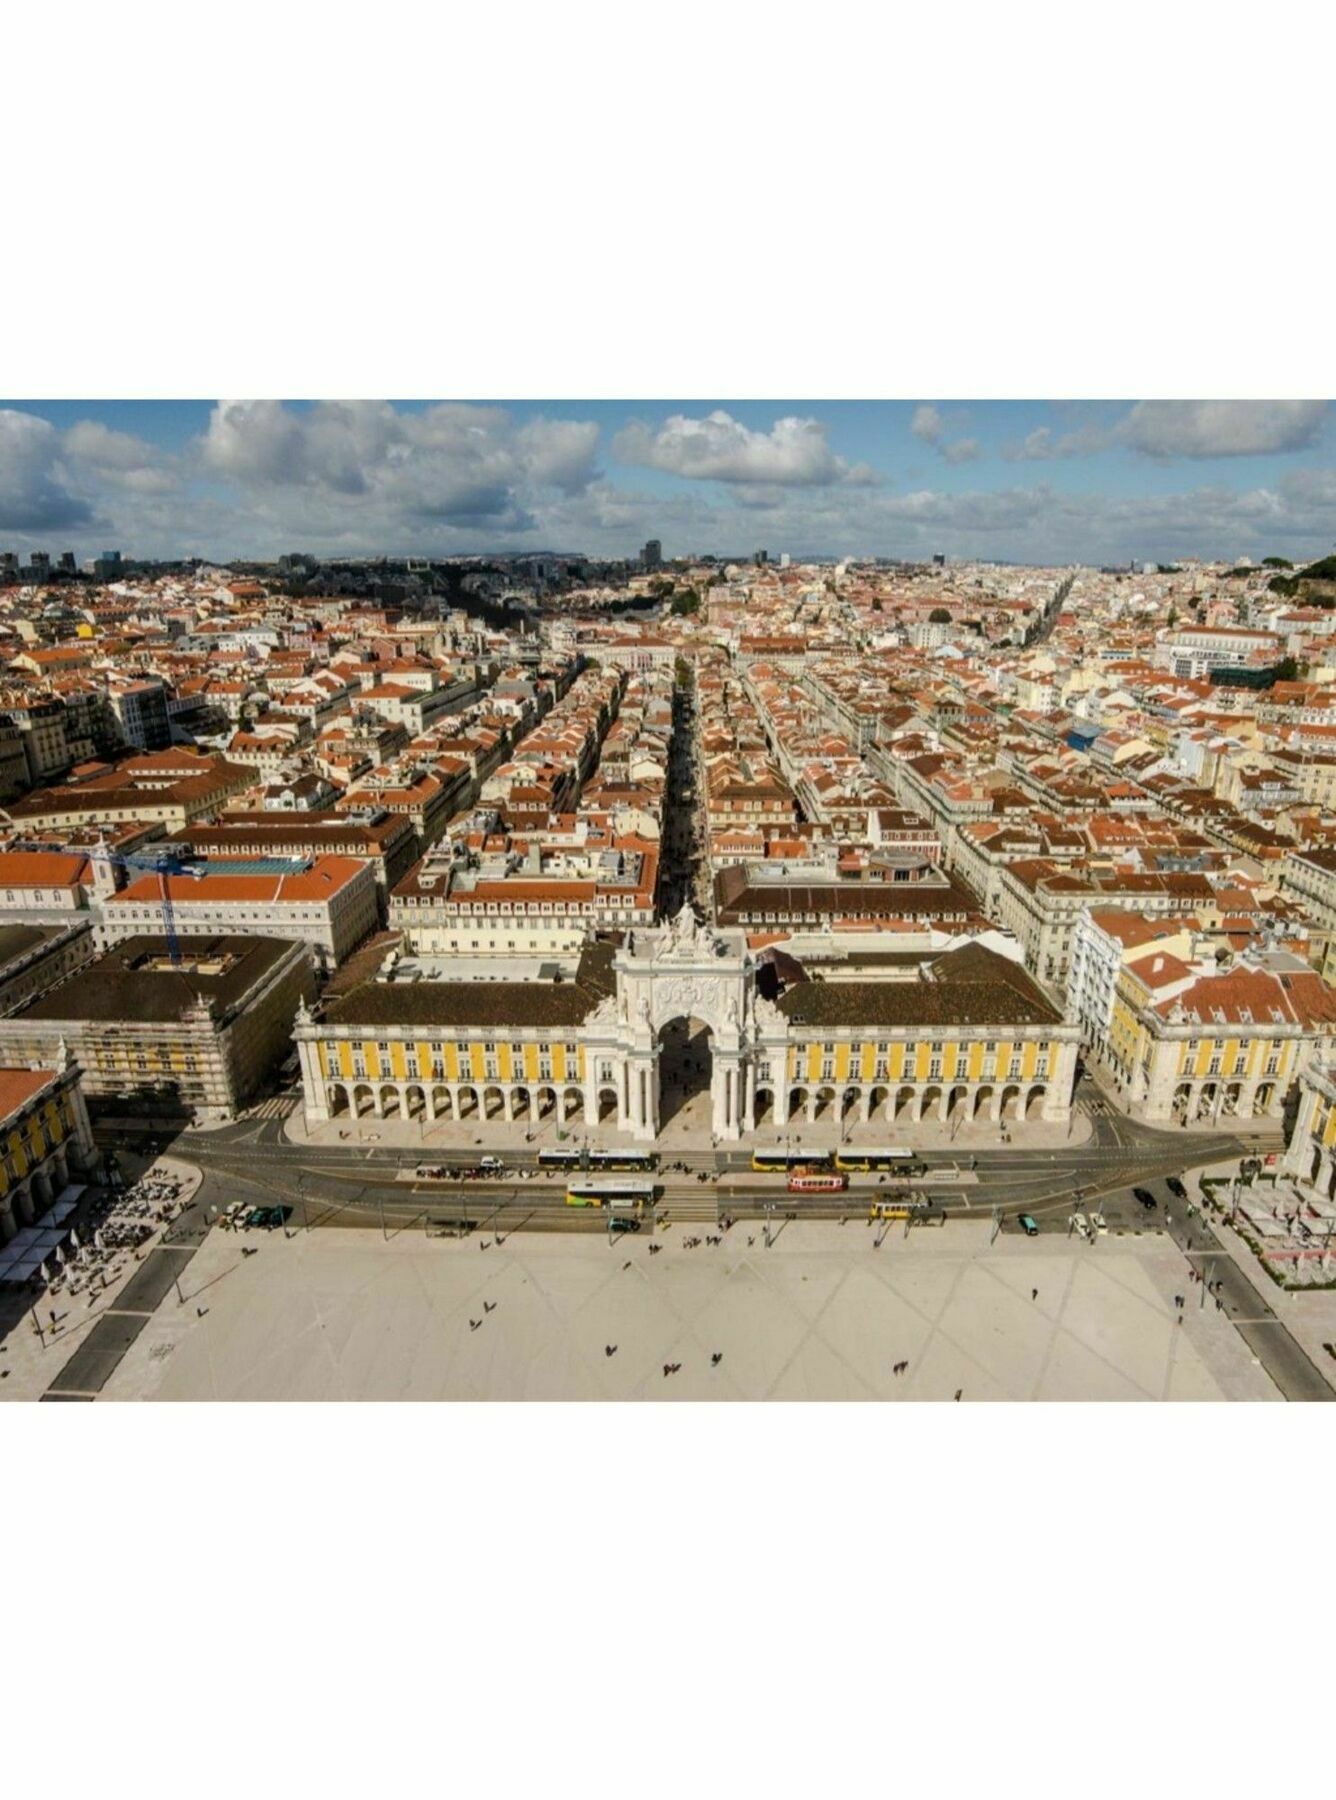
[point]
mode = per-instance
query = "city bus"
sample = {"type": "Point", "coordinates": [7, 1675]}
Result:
{"type": "Point", "coordinates": [904, 1162]}
{"type": "Point", "coordinates": [623, 1159]}
{"type": "Point", "coordinates": [802, 1181]}
{"type": "Point", "coordinates": [585, 1190]}
{"type": "Point", "coordinates": [785, 1162]}
{"type": "Point", "coordinates": [598, 1159]}
{"type": "Point", "coordinates": [898, 1206]}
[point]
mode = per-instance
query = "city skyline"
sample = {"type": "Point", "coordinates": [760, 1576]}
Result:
{"type": "Point", "coordinates": [1046, 482]}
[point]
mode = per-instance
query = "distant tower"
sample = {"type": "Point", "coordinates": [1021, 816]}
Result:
{"type": "Point", "coordinates": [652, 554]}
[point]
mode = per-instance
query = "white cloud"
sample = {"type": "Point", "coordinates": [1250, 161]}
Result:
{"type": "Point", "coordinates": [930, 428]}
{"type": "Point", "coordinates": [365, 478]}
{"type": "Point", "coordinates": [451, 463]}
{"type": "Point", "coordinates": [1170, 428]}
{"type": "Point", "coordinates": [964, 450]}
{"type": "Point", "coordinates": [34, 494]}
{"type": "Point", "coordinates": [927, 424]}
{"type": "Point", "coordinates": [91, 450]}
{"type": "Point", "coordinates": [793, 453]}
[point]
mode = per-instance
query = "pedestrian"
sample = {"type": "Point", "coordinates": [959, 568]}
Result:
{"type": "Point", "coordinates": [959, 1392]}
{"type": "Point", "coordinates": [1034, 1293]}
{"type": "Point", "coordinates": [609, 1349]}
{"type": "Point", "coordinates": [716, 1359]}
{"type": "Point", "coordinates": [666, 1369]}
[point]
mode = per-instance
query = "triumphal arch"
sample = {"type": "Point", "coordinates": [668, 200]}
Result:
{"type": "Point", "coordinates": [684, 971]}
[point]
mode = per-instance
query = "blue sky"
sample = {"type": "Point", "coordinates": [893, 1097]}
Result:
{"type": "Point", "coordinates": [1037, 481]}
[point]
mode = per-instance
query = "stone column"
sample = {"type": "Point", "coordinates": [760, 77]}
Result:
{"type": "Point", "coordinates": [315, 1100]}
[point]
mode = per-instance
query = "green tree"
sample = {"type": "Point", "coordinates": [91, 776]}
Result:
{"type": "Point", "coordinates": [939, 616]}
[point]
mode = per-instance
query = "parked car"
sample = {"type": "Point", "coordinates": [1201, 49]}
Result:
{"type": "Point", "coordinates": [1145, 1197]}
{"type": "Point", "coordinates": [1097, 1219]}
{"type": "Point", "coordinates": [1028, 1225]}
{"type": "Point", "coordinates": [1081, 1224]}
{"type": "Point", "coordinates": [623, 1224]}
{"type": "Point", "coordinates": [1176, 1188]}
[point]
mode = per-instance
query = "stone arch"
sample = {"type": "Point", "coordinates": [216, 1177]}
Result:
{"type": "Point", "coordinates": [442, 1103]}
{"type": "Point", "coordinates": [415, 1101]}
{"type": "Point", "coordinates": [763, 1104]}
{"type": "Point", "coordinates": [1010, 1106]}
{"type": "Point", "coordinates": [797, 1100]}
{"type": "Point", "coordinates": [906, 1103]}
{"type": "Point", "coordinates": [337, 1100]}
{"type": "Point", "coordinates": [1182, 1102]}
{"type": "Point", "coordinates": [983, 1099]}
{"type": "Point", "coordinates": [1207, 1098]}
{"type": "Point", "coordinates": [931, 1100]}
{"type": "Point", "coordinates": [1264, 1098]}
{"type": "Point", "coordinates": [364, 1100]}
{"type": "Point", "coordinates": [389, 1101]}
{"type": "Point", "coordinates": [684, 1049]}
{"type": "Point", "coordinates": [607, 1103]}
{"type": "Point", "coordinates": [493, 1101]}
{"type": "Point", "coordinates": [957, 1101]}
{"type": "Point", "coordinates": [574, 1102]}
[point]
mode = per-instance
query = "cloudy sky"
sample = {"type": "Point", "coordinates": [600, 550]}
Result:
{"type": "Point", "coordinates": [1019, 480]}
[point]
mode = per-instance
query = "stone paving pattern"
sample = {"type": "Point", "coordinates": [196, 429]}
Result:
{"type": "Point", "coordinates": [821, 1316]}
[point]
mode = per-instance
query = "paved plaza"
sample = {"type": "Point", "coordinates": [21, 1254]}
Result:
{"type": "Point", "coordinates": [342, 1314]}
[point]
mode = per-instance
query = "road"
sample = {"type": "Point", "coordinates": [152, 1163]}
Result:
{"type": "Point", "coordinates": [1044, 1183]}
{"type": "Point", "coordinates": [684, 871]}
{"type": "Point", "coordinates": [1254, 1318]}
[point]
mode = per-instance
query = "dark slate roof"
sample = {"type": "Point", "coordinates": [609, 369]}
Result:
{"type": "Point", "coordinates": [18, 940]}
{"type": "Point", "coordinates": [736, 896]}
{"type": "Point", "coordinates": [117, 986]}
{"type": "Point", "coordinates": [465, 1004]}
{"type": "Point", "coordinates": [972, 986]}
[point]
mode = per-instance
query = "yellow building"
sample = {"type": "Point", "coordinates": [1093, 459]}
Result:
{"type": "Point", "coordinates": [46, 1137]}
{"type": "Point", "coordinates": [961, 1036]}
{"type": "Point", "coordinates": [1190, 1042]}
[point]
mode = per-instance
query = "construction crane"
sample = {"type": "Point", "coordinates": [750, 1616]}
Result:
{"type": "Point", "coordinates": [164, 865]}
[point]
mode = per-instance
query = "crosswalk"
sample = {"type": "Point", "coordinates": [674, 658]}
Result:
{"type": "Point", "coordinates": [277, 1108]}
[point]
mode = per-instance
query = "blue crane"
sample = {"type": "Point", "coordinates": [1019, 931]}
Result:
{"type": "Point", "coordinates": [164, 865]}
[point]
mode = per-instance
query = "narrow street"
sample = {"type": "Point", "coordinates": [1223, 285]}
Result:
{"type": "Point", "coordinates": [684, 868]}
